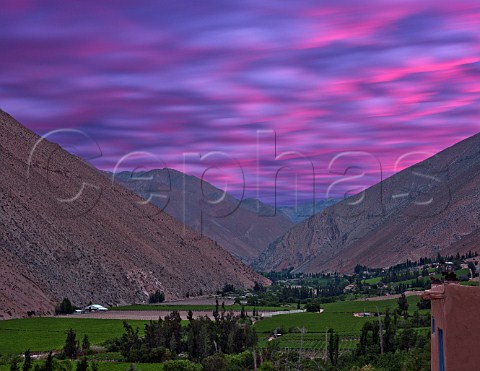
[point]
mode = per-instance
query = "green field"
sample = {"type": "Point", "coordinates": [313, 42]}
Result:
{"type": "Point", "coordinates": [469, 283]}
{"type": "Point", "coordinates": [45, 334]}
{"type": "Point", "coordinates": [205, 308]}
{"type": "Point", "coordinates": [113, 366]}
{"type": "Point", "coordinates": [369, 306]}
{"type": "Point", "coordinates": [338, 315]}
{"type": "Point", "coordinates": [372, 281]}
{"type": "Point", "coordinates": [309, 341]}
{"type": "Point", "coordinates": [344, 323]}
{"type": "Point", "coordinates": [375, 280]}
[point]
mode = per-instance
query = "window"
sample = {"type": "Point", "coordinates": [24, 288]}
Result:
{"type": "Point", "coordinates": [440, 349]}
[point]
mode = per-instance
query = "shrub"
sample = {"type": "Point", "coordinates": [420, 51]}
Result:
{"type": "Point", "coordinates": [65, 307]}
{"type": "Point", "coordinates": [215, 362]}
{"type": "Point", "coordinates": [59, 365]}
{"type": "Point", "coordinates": [312, 307]}
{"type": "Point", "coordinates": [181, 365]}
{"type": "Point", "coordinates": [112, 345]}
{"type": "Point", "coordinates": [242, 360]}
{"type": "Point", "coordinates": [14, 365]}
{"type": "Point", "coordinates": [157, 297]}
{"type": "Point", "coordinates": [424, 304]}
{"type": "Point", "coordinates": [228, 288]}
{"type": "Point", "coordinates": [267, 366]}
{"type": "Point", "coordinates": [82, 365]}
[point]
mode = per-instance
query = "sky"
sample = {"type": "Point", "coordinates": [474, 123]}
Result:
{"type": "Point", "coordinates": [252, 95]}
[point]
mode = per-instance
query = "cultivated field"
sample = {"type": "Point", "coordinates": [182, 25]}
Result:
{"type": "Point", "coordinates": [45, 334]}
{"type": "Point", "coordinates": [338, 316]}
{"type": "Point", "coordinates": [113, 366]}
{"type": "Point", "coordinates": [196, 307]}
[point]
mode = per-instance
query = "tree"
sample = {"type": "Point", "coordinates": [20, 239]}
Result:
{"type": "Point", "coordinates": [82, 365]}
{"type": "Point", "coordinates": [85, 344]}
{"type": "Point", "coordinates": [70, 348]}
{"type": "Point", "coordinates": [65, 307]}
{"type": "Point", "coordinates": [403, 305]}
{"type": "Point", "coordinates": [215, 312]}
{"type": "Point", "coordinates": [333, 343]}
{"type": "Point", "coordinates": [407, 339]}
{"type": "Point", "coordinates": [242, 313]}
{"type": "Point", "coordinates": [312, 307]}
{"type": "Point", "coordinates": [129, 342]}
{"type": "Point", "coordinates": [257, 287]}
{"type": "Point", "coordinates": [472, 268]}
{"type": "Point", "coordinates": [165, 338]}
{"type": "Point", "coordinates": [157, 297]}
{"type": "Point", "coordinates": [49, 362]}
{"type": "Point", "coordinates": [228, 288]}
{"type": "Point", "coordinates": [424, 304]}
{"type": "Point", "coordinates": [389, 338]}
{"type": "Point", "coordinates": [215, 362]}
{"type": "Point", "coordinates": [27, 363]}
{"type": "Point", "coordinates": [364, 344]}
{"type": "Point", "coordinates": [14, 365]}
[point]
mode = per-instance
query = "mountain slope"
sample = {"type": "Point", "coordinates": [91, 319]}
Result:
{"type": "Point", "coordinates": [101, 245]}
{"type": "Point", "coordinates": [432, 207]}
{"type": "Point", "coordinates": [243, 228]}
{"type": "Point", "coordinates": [301, 212]}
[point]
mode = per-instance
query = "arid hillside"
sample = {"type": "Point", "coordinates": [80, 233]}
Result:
{"type": "Point", "coordinates": [432, 207]}
{"type": "Point", "coordinates": [303, 211]}
{"type": "Point", "coordinates": [245, 228]}
{"type": "Point", "coordinates": [67, 231]}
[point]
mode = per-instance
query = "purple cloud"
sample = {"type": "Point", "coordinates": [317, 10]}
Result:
{"type": "Point", "coordinates": [197, 77]}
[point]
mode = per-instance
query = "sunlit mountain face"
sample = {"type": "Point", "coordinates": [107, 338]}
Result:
{"type": "Point", "coordinates": [288, 102]}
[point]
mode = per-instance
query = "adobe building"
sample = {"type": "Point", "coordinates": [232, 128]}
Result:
{"type": "Point", "coordinates": [455, 327]}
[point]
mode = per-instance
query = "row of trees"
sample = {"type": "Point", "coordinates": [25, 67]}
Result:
{"type": "Point", "coordinates": [166, 338]}
{"type": "Point", "coordinates": [51, 364]}
{"type": "Point", "coordinates": [388, 335]}
{"type": "Point", "coordinates": [72, 348]}
{"type": "Point", "coordinates": [420, 262]}
{"type": "Point", "coordinates": [157, 297]}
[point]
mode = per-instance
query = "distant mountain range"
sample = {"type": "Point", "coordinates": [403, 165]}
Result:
{"type": "Point", "coordinates": [245, 228]}
{"type": "Point", "coordinates": [299, 213]}
{"type": "Point", "coordinates": [66, 230]}
{"type": "Point", "coordinates": [432, 207]}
